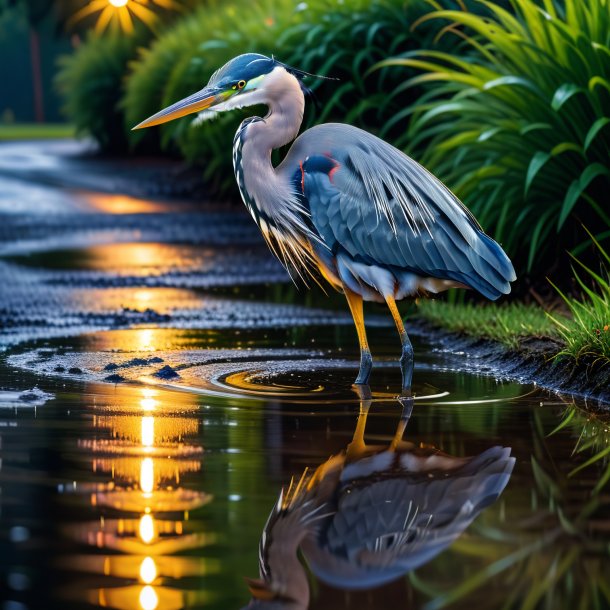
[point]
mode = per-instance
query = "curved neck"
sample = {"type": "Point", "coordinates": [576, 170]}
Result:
{"type": "Point", "coordinates": [269, 194]}
{"type": "Point", "coordinates": [284, 98]}
{"type": "Point", "coordinates": [256, 139]}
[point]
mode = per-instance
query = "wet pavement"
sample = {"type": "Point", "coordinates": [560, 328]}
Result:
{"type": "Point", "coordinates": [161, 382]}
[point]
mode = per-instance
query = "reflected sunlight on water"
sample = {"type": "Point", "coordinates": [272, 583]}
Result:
{"type": "Point", "coordinates": [121, 204]}
{"type": "Point", "coordinates": [140, 452]}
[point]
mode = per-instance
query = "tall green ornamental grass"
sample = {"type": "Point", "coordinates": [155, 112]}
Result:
{"type": "Point", "coordinates": [519, 125]}
{"type": "Point", "coordinates": [587, 334]}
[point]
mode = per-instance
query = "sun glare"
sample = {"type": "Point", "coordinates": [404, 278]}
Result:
{"type": "Point", "coordinates": [120, 14]}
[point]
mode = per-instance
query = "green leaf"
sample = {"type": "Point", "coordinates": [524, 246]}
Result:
{"type": "Point", "coordinates": [594, 130]}
{"type": "Point", "coordinates": [506, 81]}
{"type": "Point", "coordinates": [564, 93]}
{"type": "Point", "coordinates": [577, 187]}
{"type": "Point", "coordinates": [536, 164]}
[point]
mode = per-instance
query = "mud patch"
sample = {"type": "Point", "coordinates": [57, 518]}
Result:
{"type": "Point", "coordinates": [533, 362]}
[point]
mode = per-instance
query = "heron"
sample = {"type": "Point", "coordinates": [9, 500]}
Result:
{"type": "Point", "coordinates": [372, 513]}
{"type": "Point", "coordinates": [344, 206]}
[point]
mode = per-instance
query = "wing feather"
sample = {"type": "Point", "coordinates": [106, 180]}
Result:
{"type": "Point", "coordinates": [383, 208]}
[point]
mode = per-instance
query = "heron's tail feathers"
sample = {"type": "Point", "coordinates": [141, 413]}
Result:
{"type": "Point", "coordinates": [492, 271]}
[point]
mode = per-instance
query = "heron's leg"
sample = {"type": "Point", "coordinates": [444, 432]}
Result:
{"type": "Point", "coordinates": [406, 358]}
{"type": "Point", "coordinates": [407, 409]}
{"type": "Point", "coordinates": [366, 360]}
{"type": "Point", "coordinates": [357, 447]}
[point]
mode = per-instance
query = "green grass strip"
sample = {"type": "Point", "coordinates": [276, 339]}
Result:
{"type": "Point", "coordinates": [507, 323]}
{"type": "Point", "coordinates": [35, 131]}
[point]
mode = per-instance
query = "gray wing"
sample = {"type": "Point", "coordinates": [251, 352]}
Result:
{"type": "Point", "coordinates": [370, 200]}
{"type": "Point", "coordinates": [385, 525]}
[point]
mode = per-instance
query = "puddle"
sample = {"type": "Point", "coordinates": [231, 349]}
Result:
{"type": "Point", "coordinates": [150, 419]}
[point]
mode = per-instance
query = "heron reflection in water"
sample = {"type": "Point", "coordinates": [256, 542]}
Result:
{"type": "Point", "coordinates": [343, 204]}
{"type": "Point", "coordinates": [371, 514]}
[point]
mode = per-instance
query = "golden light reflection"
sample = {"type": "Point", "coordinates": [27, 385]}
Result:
{"type": "Point", "coordinates": [143, 259]}
{"type": "Point", "coordinates": [147, 528]}
{"type": "Point", "coordinates": [148, 598]}
{"type": "Point", "coordinates": [144, 339]}
{"type": "Point", "coordinates": [148, 431]}
{"type": "Point", "coordinates": [147, 476]}
{"type": "Point", "coordinates": [144, 458]}
{"type": "Point", "coordinates": [120, 204]}
{"type": "Point", "coordinates": [148, 570]}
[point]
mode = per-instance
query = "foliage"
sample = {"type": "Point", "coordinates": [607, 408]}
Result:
{"type": "Point", "coordinates": [341, 39]}
{"type": "Point", "coordinates": [182, 61]}
{"type": "Point", "coordinates": [91, 81]}
{"type": "Point", "coordinates": [505, 323]}
{"type": "Point", "coordinates": [550, 548]}
{"type": "Point", "coordinates": [519, 124]}
{"type": "Point", "coordinates": [587, 333]}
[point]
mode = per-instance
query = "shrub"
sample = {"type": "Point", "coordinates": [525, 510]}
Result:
{"type": "Point", "coordinates": [91, 82]}
{"type": "Point", "coordinates": [182, 61]}
{"type": "Point", "coordinates": [520, 127]}
{"type": "Point", "coordinates": [339, 39]}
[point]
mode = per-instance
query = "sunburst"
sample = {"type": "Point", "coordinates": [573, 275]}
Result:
{"type": "Point", "coordinates": [121, 14]}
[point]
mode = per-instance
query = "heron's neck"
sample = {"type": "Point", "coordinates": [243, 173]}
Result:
{"type": "Point", "coordinates": [262, 187]}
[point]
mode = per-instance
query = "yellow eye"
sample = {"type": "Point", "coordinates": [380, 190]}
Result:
{"type": "Point", "coordinates": [241, 84]}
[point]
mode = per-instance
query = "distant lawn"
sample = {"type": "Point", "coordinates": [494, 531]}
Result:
{"type": "Point", "coordinates": [35, 131]}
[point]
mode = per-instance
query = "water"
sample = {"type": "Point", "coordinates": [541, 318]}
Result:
{"type": "Point", "coordinates": [154, 492]}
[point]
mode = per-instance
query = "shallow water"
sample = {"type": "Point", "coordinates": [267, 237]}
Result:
{"type": "Point", "coordinates": [140, 496]}
{"type": "Point", "coordinates": [154, 492]}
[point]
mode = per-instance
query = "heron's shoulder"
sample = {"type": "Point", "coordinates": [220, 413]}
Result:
{"type": "Point", "coordinates": [341, 141]}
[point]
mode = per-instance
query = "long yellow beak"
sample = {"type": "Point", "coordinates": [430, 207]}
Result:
{"type": "Point", "coordinates": [194, 103]}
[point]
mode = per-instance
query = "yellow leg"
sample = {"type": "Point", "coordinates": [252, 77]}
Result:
{"type": "Point", "coordinates": [357, 448]}
{"type": "Point", "coordinates": [406, 358]}
{"type": "Point", "coordinates": [366, 360]}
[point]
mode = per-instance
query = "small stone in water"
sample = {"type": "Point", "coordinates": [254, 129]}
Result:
{"type": "Point", "coordinates": [114, 378]}
{"type": "Point", "coordinates": [167, 372]}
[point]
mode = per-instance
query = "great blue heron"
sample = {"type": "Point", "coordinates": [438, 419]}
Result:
{"type": "Point", "coordinates": [370, 514]}
{"type": "Point", "coordinates": [372, 221]}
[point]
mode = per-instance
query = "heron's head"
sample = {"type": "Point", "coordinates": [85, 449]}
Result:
{"type": "Point", "coordinates": [246, 80]}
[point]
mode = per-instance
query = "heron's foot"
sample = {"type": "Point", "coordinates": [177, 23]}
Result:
{"type": "Point", "coordinates": [406, 402]}
{"type": "Point", "coordinates": [406, 368]}
{"type": "Point", "coordinates": [366, 364]}
{"type": "Point", "coordinates": [363, 391]}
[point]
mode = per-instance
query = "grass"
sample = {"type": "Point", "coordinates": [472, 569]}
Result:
{"type": "Point", "coordinates": [507, 323]}
{"type": "Point", "coordinates": [36, 131]}
{"type": "Point", "coordinates": [91, 80]}
{"type": "Point", "coordinates": [517, 122]}
{"type": "Point", "coordinates": [587, 333]}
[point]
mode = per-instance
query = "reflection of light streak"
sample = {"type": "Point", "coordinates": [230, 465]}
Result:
{"type": "Point", "coordinates": [148, 431]}
{"type": "Point", "coordinates": [147, 476]}
{"type": "Point", "coordinates": [144, 338]}
{"type": "Point", "coordinates": [148, 598]}
{"type": "Point", "coordinates": [147, 528]}
{"type": "Point", "coordinates": [148, 570]}
{"type": "Point", "coordinates": [148, 403]}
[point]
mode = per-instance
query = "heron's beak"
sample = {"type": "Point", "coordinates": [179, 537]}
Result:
{"type": "Point", "coordinates": [201, 100]}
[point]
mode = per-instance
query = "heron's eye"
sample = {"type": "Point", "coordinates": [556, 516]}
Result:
{"type": "Point", "coordinates": [241, 84]}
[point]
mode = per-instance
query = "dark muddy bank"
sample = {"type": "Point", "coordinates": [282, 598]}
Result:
{"type": "Point", "coordinates": [535, 361]}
